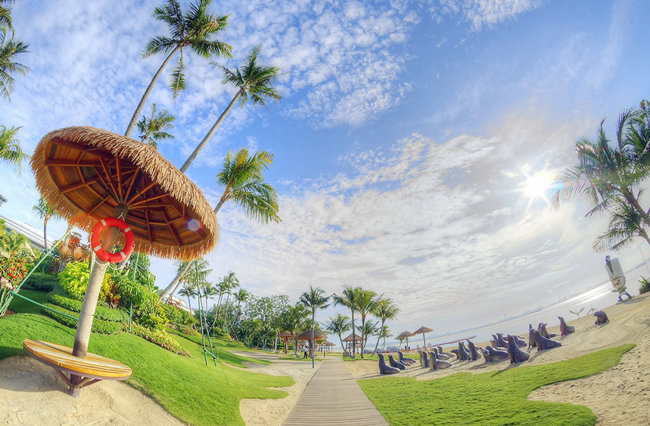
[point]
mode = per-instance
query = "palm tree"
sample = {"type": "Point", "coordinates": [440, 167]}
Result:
{"type": "Point", "coordinates": [365, 302]}
{"type": "Point", "coordinates": [605, 175]}
{"type": "Point", "coordinates": [45, 212]}
{"type": "Point", "coordinates": [242, 176]}
{"type": "Point", "coordinates": [233, 282]}
{"type": "Point", "coordinates": [241, 296]}
{"type": "Point", "coordinates": [625, 223]}
{"type": "Point", "coordinates": [10, 150]}
{"type": "Point", "coordinates": [338, 325]}
{"type": "Point", "coordinates": [370, 328]}
{"type": "Point", "coordinates": [254, 81]}
{"type": "Point", "coordinates": [348, 299]}
{"type": "Point", "coordinates": [385, 332]}
{"type": "Point", "coordinates": [9, 49]}
{"type": "Point", "coordinates": [198, 275]}
{"type": "Point", "coordinates": [13, 244]}
{"type": "Point", "coordinates": [188, 291]}
{"type": "Point", "coordinates": [152, 129]}
{"type": "Point", "coordinates": [193, 29]}
{"type": "Point", "coordinates": [384, 310]}
{"type": "Point", "coordinates": [314, 299]}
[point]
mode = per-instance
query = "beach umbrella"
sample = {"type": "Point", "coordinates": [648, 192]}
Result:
{"type": "Point", "coordinates": [318, 335]}
{"type": "Point", "coordinates": [423, 330]}
{"type": "Point", "coordinates": [406, 335]}
{"type": "Point", "coordinates": [96, 177]}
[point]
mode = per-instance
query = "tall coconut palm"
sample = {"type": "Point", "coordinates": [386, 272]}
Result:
{"type": "Point", "coordinates": [365, 302]}
{"type": "Point", "coordinates": [370, 328]}
{"type": "Point", "coordinates": [45, 212]}
{"type": "Point", "coordinates": [385, 332]}
{"type": "Point", "coordinates": [193, 29]}
{"type": "Point", "coordinates": [605, 175]}
{"type": "Point", "coordinates": [293, 319]}
{"type": "Point", "coordinates": [338, 325]}
{"type": "Point", "coordinates": [242, 177]}
{"type": "Point", "coordinates": [252, 81]}
{"type": "Point", "coordinates": [384, 310]}
{"type": "Point", "coordinates": [314, 299]}
{"type": "Point", "coordinates": [10, 151]}
{"type": "Point", "coordinates": [152, 129]}
{"type": "Point", "coordinates": [9, 49]}
{"type": "Point", "coordinates": [348, 299]}
{"type": "Point", "coordinates": [233, 283]}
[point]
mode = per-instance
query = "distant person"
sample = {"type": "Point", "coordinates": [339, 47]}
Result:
{"type": "Point", "coordinates": [305, 355]}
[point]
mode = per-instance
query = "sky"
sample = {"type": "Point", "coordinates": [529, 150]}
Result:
{"type": "Point", "coordinates": [402, 143]}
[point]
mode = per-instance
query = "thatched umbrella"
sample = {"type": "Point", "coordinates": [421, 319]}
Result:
{"type": "Point", "coordinates": [318, 336]}
{"type": "Point", "coordinates": [285, 336]}
{"type": "Point", "coordinates": [352, 338]}
{"type": "Point", "coordinates": [406, 335]}
{"type": "Point", "coordinates": [423, 330]}
{"type": "Point", "coordinates": [329, 345]}
{"type": "Point", "coordinates": [89, 174]}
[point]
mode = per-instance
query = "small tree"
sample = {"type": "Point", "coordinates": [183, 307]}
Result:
{"type": "Point", "coordinates": [339, 325]}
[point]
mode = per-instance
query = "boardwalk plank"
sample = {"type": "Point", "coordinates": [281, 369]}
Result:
{"type": "Point", "coordinates": [333, 397]}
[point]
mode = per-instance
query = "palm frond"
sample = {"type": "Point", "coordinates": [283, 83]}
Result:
{"type": "Point", "coordinates": [177, 81]}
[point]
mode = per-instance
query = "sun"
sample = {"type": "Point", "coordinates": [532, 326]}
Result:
{"type": "Point", "coordinates": [537, 185]}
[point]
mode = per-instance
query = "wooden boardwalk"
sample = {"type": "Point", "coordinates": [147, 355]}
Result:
{"type": "Point", "coordinates": [333, 397]}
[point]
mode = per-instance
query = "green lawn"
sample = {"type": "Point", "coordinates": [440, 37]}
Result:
{"type": "Point", "coordinates": [494, 398]}
{"type": "Point", "coordinates": [188, 389]}
{"type": "Point", "coordinates": [21, 305]}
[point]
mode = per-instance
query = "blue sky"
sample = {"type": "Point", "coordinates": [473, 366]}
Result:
{"type": "Point", "coordinates": [404, 136]}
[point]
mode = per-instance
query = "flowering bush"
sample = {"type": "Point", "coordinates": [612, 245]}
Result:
{"type": "Point", "coordinates": [160, 338]}
{"type": "Point", "coordinates": [13, 269]}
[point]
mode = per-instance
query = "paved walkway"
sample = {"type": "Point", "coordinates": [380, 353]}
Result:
{"type": "Point", "coordinates": [333, 397]}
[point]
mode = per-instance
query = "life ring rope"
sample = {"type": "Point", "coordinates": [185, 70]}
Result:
{"type": "Point", "coordinates": [102, 253]}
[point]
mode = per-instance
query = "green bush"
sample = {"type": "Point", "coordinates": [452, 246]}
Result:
{"type": "Point", "coordinates": [99, 326]}
{"type": "Point", "coordinates": [74, 280]}
{"type": "Point", "coordinates": [160, 338]}
{"type": "Point", "coordinates": [177, 316]}
{"type": "Point", "coordinates": [645, 285]}
{"type": "Point", "coordinates": [101, 312]}
{"type": "Point", "coordinates": [41, 281]}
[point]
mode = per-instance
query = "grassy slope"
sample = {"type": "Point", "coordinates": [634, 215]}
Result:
{"type": "Point", "coordinates": [21, 305]}
{"type": "Point", "coordinates": [187, 388]}
{"type": "Point", "coordinates": [488, 398]}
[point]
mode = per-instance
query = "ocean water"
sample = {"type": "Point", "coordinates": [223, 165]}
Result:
{"type": "Point", "coordinates": [597, 298]}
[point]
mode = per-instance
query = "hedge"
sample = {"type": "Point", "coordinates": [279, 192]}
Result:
{"type": "Point", "coordinates": [101, 313]}
{"type": "Point", "coordinates": [99, 325]}
{"type": "Point", "coordinates": [41, 282]}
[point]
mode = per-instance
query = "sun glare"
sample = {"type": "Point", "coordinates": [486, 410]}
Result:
{"type": "Point", "coordinates": [537, 185]}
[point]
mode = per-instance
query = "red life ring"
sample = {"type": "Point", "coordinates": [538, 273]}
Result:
{"type": "Point", "coordinates": [99, 250]}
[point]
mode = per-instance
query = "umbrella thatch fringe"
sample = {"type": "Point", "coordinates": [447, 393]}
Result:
{"type": "Point", "coordinates": [159, 169]}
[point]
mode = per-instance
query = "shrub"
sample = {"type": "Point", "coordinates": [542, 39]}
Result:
{"type": "Point", "coordinates": [177, 316]}
{"type": "Point", "coordinates": [645, 285]}
{"type": "Point", "coordinates": [99, 326]}
{"type": "Point", "coordinates": [41, 282]}
{"type": "Point", "coordinates": [160, 338]}
{"type": "Point", "coordinates": [101, 312]}
{"type": "Point", "coordinates": [13, 269]}
{"type": "Point", "coordinates": [74, 280]}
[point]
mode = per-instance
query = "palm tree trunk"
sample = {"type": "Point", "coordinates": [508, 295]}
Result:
{"type": "Point", "coordinates": [378, 337]}
{"type": "Point", "coordinates": [341, 340]}
{"type": "Point", "coordinates": [225, 313]}
{"type": "Point", "coordinates": [174, 284]}
{"type": "Point", "coordinates": [138, 110]}
{"type": "Point", "coordinates": [313, 320]}
{"type": "Point", "coordinates": [363, 327]}
{"type": "Point", "coordinates": [45, 232]}
{"type": "Point", "coordinates": [354, 341]}
{"type": "Point", "coordinates": [209, 135]}
{"type": "Point", "coordinates": [295, 346]}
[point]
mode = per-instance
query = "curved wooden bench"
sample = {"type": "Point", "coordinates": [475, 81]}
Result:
{"type": "Point", "coordinates": [83, 371]}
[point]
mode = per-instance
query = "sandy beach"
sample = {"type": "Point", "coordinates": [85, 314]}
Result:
{"type": "Point", "coordinates": [32, 394]}
{"type": "Point", "coordinates": [617, 396]}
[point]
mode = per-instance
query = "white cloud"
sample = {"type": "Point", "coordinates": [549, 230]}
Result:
{"type": "Point", "coordinates": [482, 13]}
